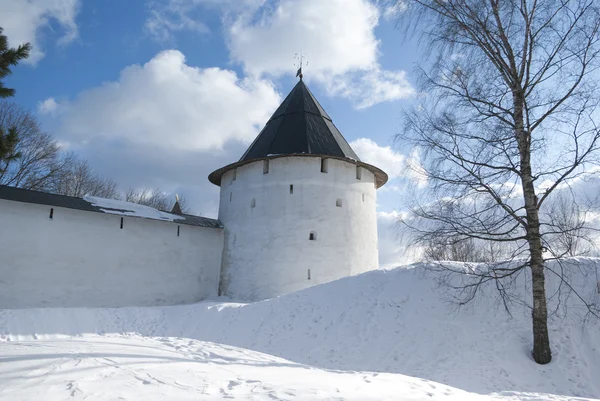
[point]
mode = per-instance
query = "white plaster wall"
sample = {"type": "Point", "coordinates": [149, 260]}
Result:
{"type": "Point", "coordinates": [84, 259]}
{"type": "Point", "coordinates": [267, 250]}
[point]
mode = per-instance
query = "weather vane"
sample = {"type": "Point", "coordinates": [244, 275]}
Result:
{"type": "Point", "coordinates": [300, 59]}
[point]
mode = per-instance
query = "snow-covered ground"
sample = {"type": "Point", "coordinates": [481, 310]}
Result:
{"type": "Point", "coordinates": [142, 368]}
{"type": "Point", "coordinates": [389, 322]}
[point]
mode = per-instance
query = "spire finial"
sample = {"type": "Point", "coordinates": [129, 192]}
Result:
{"type": "Point", "coordinates": [300, 59]}
{"type": "Point", "coordinates": [176, 209]}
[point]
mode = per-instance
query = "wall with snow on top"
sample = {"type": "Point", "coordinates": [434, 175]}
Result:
{"type": "Point", "coordinates": [81, 258]}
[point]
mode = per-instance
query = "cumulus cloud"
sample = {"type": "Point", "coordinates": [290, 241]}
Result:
{"type": "Point", "coordinates": [370, 87]}
{"type": "Point", "coordinates": [336, 36]}
{"type": "Point", "coordinates": [394, 242]}
{"type": "Point", "coordinates": [163, 22]}
{"type": "Point", "coordinates": [384, 157]}
{"type": "Point", "coordinates": [23, 21]}
{"type": "Point", "coordinates": [395, 164]}
{"type": "Point", "coordinates": [165, 124]}
{"type": "Point", "coordinates": [169, 103]}
{"type": "Point", "coordinates": [48, 106]}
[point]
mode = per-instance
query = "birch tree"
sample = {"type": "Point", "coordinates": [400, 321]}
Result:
{"type": "Point", "coordinates": [509, 103]}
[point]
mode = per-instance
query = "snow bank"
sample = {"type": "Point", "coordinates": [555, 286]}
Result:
{"type": "Point", "coordinates": [383, 321]}
{"type": "Point", "coordinates": [123, 208]}
{"type": "Point", "coordinates": [138, 368]}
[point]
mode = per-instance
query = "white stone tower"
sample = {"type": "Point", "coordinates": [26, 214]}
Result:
{"type": "Point", "coordinates": [298, 208]}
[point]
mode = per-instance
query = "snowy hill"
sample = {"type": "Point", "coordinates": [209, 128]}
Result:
{"type": "Point", "coordinates": [390, 321]}
{"type": "Point", "coordinates": [136, 368]}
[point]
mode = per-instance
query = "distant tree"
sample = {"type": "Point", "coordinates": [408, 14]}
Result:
{"type": "Point", "coordinates": [9, 57]}
{"type": "Point", "coordinates": [566, 227]}
{"type": "Point", "coordinates": [40, 159]}
{"type": "Point", "coordinates": [510, 101]}
{"type": "Point", "coordinates": [155, 198]}
{"type": "Point", "coordinates": [42, 165]}
{"type": "Point", "coordinates": [78, 179]}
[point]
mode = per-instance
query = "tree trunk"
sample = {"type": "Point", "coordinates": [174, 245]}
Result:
{"type": "Point", "coordinates": [541, 341]}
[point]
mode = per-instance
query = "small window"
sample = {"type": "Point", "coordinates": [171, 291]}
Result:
{"type": "Point", "coordinates": [121, 223]}
{"type": "Point", "coordinates": [338, 203]}
{"type": "Point", "coordinates": [51, 213]}
{"type": "Point", "coordinates": [230, 196]}
{"type": "Point", "coordinates": [358, 173]}
{"type": "Point", "coordinates": [309, 274]}
{"type": "Point", "coordinates": [265, 167]}
{"type": "Point", "coordinates": [234, 174]}
{"type": "Point", "coordinates": [291, 189]}
{"type": "Point", "coordinates": [323, 165]}
{"type": "Point", "coordinates": [312, 236]}
{"type": "Point", "coordinates": [253, 202]}
{"type": "Point", "coordinates": [363, 197]}
{"type": "Point", "coordinates": [178, 231]}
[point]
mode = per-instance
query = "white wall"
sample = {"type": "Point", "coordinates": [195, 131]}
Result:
{"type": "Point", "coordinates": [83, 258]}
{"type": "Point", "coordinates": [267, 249]}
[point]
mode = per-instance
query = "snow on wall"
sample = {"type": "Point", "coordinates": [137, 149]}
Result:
{"type": "Point", "coordinates": [295, 226]}
{"type": "Point", "coordinates": [123, 208]}
{"type": "Point", "coordinates": [81, 258]}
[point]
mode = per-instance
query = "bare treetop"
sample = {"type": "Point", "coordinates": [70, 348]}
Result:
{"type": "Point", "coordinates": [511, 102]}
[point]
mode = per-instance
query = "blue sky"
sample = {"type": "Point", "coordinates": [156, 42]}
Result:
{"type": "Point", "coordinates": [161, 93]}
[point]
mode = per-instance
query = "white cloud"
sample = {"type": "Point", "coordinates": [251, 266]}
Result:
{"type": "Point", "coordinates": [48, 106]}
{"type": "Point", "coordinates": [336, 35]}
{"type": "Point", "coordinates": [371, 87]}
{"type": "Point", "coordinates": [395, 164]}
{"type": "Point", "coordinates": [169, 103]}
{"type": "Point", "coordinates": [23, 21]}
{"type": "Point", "coordinates": [384, 157]}
{"type": "Point", "coordinates": [337, 38]}
{"type": "Point", "coordinates": [165, 124]}
{"type": "Point", "coordinates": [394, 241]}
{"type": "Point", "coordinates": [163, 22]}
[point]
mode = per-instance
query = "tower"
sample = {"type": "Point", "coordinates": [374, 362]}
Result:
{"type": "Point", "coordinates": [298, 208]}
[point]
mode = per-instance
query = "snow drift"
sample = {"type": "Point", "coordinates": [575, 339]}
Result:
{"type": "Point", "coordinates": [382, 321]}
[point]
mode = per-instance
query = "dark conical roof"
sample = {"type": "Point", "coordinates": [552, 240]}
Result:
{"type": "Point", "coordinates": [299, 126]}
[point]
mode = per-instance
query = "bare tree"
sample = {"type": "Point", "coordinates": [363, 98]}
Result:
{"type": "Point", "coordinates": [155, 198]}
{"type": "Point", "coordinates": [511, 100]}
{"type": "Point", "coordinates": [566, 228]}
{"type": "Point", "coordinates": [40, 159]}
{"type": "Point", "coordinates": [78, 179]}
{"type": "Point", "coordinates": [461, 249]}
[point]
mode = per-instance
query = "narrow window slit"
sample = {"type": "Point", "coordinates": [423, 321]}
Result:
{"type": "Point", "coordinates": [121, 223]}
{"type": "Point", "coordinates": [323, 165]}
{"type": "Point", "coordinates": [363, 197]}
{"type": "Point", "coordinates": [51, 213]}
{"type": "Point", "coordinates": [309, 274]}
{"type": "Point", "coordinates": [338, 203]}
{"type": "Point", "coordinates": [265, 167]}
{"type": "Point", "coordinates": [291, 189]}
{"type": "Point", "coordinates": [253, 202]}
{"type": "Point", "coordinates": [358, 173]}
{"type": "Point", "coordinates": [178, 231]}
{"type": "Point", "coordinates": [234, 174]}
{"type": "Point", "coordinates": [312, 236]}
{"type": "Point", "coordinates": [230, 196]}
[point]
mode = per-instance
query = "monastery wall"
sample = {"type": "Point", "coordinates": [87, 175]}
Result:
{"type": "Point", "coordinates": [289, 226]}
{"type": "Point", "coordinates": [79, 258]}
